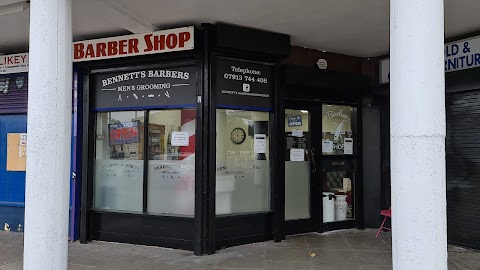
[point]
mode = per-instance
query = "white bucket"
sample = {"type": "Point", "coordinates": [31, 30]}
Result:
{"type": "Point", "coordinates": [341, 207]}
{"type": "Point", "coordinates": [328, 207]}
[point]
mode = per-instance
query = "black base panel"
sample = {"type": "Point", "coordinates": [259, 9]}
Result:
{"type": "Point", "coordinates": [144, 240]}
{"type": "Point", "coordinates": [243, 229]}
{"type": "Point", "coordinates": [299, 226]}
{"type": "Point", "coordinates": [171, 232]}
{"type": "Point", "coordinates": [339, 225]}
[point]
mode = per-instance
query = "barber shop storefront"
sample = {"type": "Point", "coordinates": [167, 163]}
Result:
{"type": "Point", "coordinates": [201, 138]}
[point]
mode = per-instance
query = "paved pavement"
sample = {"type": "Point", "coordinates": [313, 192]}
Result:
{"type": "Point", "coordinates": [349, 249]}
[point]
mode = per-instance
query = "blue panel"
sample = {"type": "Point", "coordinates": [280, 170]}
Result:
{"type": "Point", "coordinates": [12, 184]}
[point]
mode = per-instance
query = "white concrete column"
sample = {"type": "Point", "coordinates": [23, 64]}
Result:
{"type": "Point", "coordinates": [417, 85]}
{"type": "Point", "coordinates": [49, 135]}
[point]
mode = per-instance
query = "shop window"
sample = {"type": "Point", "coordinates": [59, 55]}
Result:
{"type": "Point", "coordinates": [337, 130]}
{"type": "Point", "coordinates": [171, 162]}
{"type": "Point", "coordinates": [242, 162]}
{"type": "Point", "coordinates": [119, 161]}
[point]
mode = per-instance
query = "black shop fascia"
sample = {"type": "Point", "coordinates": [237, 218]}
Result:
{"type": "Point", "coordinates": [178, 132]}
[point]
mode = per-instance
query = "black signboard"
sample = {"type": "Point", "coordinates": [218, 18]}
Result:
{"type": "Point", "coordinates": [244, 84]}
{"type": "Point", "coordinates": [146, 88]}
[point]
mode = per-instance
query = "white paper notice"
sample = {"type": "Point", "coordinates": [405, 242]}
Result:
{"type": "Point", "coordinates": [297, 133]}
{"type": "Point", "coordinates": [260, 143]}
{"type": "Point", "coordinates": [297, 154]}
{"type": "Point", "coordinates": [23, 138]}
{"type": "Point", "coordinates": [327, 146]}
{"type": "Point", "coordinates": [348, 146]}
{"type": "Point", "coordinates": [180, 138]}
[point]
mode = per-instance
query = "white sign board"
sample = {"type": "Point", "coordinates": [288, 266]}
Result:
{"type": "Point", "coordinates": [180, 138]}
{"type": "Point", "coordinates": [348, 146]}
{"type": "Point", "coordinates": [459, 55]}
{"type": "Point", "coordinates": [297, 154]}
{"type": "Point", "coordinates": [327, 146]}
{"type": "Point", "coordinates": [178, 39]}
{"type": "Point", "coordinates": [14, 63]}
{"type": "Point", "coordinates": [297, 133]}
{"type": "Point", "coordinates": [260, 143]}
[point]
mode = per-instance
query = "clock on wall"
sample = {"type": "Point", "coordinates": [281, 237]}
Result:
{"type": "Point", "coordinates": [238, 135]}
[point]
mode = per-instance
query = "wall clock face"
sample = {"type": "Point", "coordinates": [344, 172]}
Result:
{"type": "Point", "coordinates": [238, 135]}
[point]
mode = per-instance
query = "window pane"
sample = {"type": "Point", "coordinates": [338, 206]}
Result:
{"type": "Point", "coordinates": [337, 129]}
{"type": "Point", "coordinates": [242, 158]}
{"type": "Point", "coordinates": [171, 162]}
{"type": "Point", "coordinates": [118, 179]}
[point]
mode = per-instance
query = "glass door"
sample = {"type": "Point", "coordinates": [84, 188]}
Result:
{"type": "Point", "coordinates": [339, 165]}
{"type": "Point", "coordinates": [301, 174]}
{"type": "Point", "coordinates": [320, 166]}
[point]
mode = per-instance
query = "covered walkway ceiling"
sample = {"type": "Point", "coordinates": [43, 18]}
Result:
{"type": "Point", "coordinates": [352, 27]}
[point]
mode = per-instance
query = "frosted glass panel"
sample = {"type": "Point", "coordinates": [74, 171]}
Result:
{"type": "Point", "coordinates": [171, 162]}
{"type": "Point", "coordinates": [297, 190]}
{"type": "Point", "coordinates": [243, 186]}
{"type": "Point", "coordinates": [119, 184]}
{"type": "Point", "coordinates": [297, 166]}
{"type": "Point", "coordinates": [171, 187]}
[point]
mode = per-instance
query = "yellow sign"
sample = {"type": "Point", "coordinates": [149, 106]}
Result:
{"type": "Point", "coordinates": [16, 151]}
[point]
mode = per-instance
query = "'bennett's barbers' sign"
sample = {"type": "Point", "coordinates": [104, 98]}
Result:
{"type": "Point", "coordinates": [178, 39]}
{"type": "Point", "coordinates": [459, 55]}
{"type": "Point", "coordinates": [146, 88]}
{"type": "Point", "coordinates": [14, 63]}
{"type": "Point", "coordinates": [243, 83]}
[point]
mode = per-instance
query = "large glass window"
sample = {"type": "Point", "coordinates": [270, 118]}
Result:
{"type": "Point", "coordinates": [171, 162]}
{"type": "Point", "coordinates": [242, 162]}
{"type": "Point", "coordinates": [120, 158]}
{"type": "Point", "coordinates": [119, 161]}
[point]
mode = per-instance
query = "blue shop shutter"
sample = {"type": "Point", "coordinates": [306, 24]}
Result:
{"type": "Point", "coordinates": [13, 93]}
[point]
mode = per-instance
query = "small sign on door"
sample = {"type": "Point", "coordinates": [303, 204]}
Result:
{"type": "Point", "coordinates": [297, 154]}
{"type": "Point", "coordinates": [180, 138]}
{"type": "Point", "coordinates": [348, 146]}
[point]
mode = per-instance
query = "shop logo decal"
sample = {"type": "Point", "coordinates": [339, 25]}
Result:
{"type": "Point", "coordinates": [20, 82]}
{"type": "Point", "coordinates": [246, 87]}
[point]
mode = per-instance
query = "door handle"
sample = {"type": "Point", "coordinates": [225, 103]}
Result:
{"type": "Point", "coordinates": [312, 158]}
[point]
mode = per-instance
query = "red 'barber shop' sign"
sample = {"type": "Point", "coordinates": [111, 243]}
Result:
{"type": "Point", "coordinates": [178, 39]}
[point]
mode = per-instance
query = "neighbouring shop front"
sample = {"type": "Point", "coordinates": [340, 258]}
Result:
{"type": "Point", "coordinates": [200, 139]}
{"type": "Point", "coordinates": [462, 101]}
{"type": "Point", "coordinates": [13, 145]}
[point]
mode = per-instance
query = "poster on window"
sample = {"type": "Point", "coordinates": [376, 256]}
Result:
{"type": "Point", "coordinates": [124, 133]}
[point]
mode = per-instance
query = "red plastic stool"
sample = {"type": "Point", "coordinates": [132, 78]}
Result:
{"type": "Point", "coordinates": [386, 214]}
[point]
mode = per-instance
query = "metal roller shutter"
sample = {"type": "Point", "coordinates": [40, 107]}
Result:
{"type": "Point", "coordinates": [463, 168]}
{"type": "Point", "coordinates": [13, 93]}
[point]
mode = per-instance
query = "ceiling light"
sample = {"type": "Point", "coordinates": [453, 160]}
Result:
{"type": "Point", "coordinates": [303, 111]}
{"type": "Point", "coordinates": [14, 8]}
